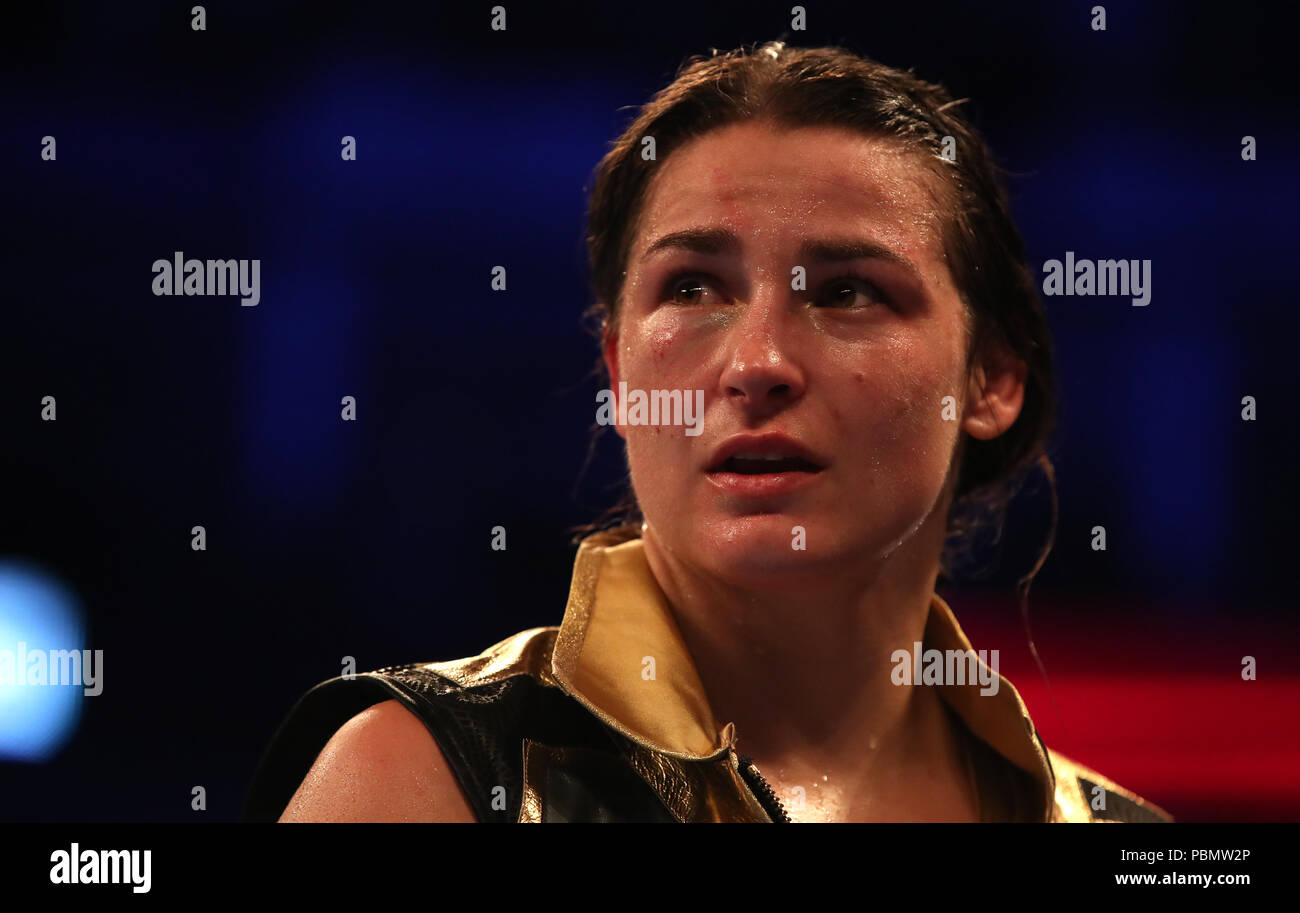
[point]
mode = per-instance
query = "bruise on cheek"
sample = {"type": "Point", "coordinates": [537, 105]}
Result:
{"type": "Point", "coordinates": [661, 340]}
{"type": "Point", "coordinates": [646, 356]}
{"type": "Point", "coordinates": [659, 334]}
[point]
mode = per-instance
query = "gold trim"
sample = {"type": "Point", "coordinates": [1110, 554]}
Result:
{"type": "Point", "coordinates": [1072, 770]}
{"type": "Point", "coordinates": [1001, 719]}
{"type": "Point", "coordinates": [526, 652]}
{"type": "Point", "coordinates": [616, 617]}
{"type": "Point", "coordinates": [1070, 806]}
{"type": "Point", "coordinates": [535, 757]}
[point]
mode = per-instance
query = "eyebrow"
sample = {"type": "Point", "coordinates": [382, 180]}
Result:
{"type": "Point", "coordinates": [817, 250]}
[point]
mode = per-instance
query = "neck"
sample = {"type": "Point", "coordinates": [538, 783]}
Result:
{"type": "Point", "coordinates": [803, 670]}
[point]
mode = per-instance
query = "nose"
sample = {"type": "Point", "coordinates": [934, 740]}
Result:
{"type": "Point", "coordinates": [762, 375]}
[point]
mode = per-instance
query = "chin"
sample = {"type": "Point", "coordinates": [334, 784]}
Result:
{"type": "Point", "coordinates": [760, 548]}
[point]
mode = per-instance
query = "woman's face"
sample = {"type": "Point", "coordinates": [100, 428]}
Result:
{"type": "Point", "coordinates": [824, 399]}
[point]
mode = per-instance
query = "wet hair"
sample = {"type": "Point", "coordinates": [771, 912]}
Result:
{"type": "Point", "coordinates": [832, 86]}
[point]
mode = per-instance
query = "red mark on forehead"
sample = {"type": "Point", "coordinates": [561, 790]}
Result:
{"type": "Point", "coordinates": [721, 176]}
{"type": "Point", "coordinates": [724, 188]}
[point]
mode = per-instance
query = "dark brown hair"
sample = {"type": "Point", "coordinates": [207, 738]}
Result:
{"type": "Point", "coordinates": [832, 86]}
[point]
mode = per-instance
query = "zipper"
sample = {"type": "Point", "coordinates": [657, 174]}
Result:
{"type": "Point", "coordinates": [762, 791]}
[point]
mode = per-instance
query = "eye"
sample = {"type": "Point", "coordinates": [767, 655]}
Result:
{"type": "Point", "coordinates": [843, 292]}
{"type": "Point", "coordinates": [687, 289]}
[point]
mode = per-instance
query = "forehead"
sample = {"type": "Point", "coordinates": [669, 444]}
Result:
{"type": "Point", "coordinates": [772, 183]}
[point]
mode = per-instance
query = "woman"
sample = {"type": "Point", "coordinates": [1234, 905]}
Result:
{"type": "Point", "coordinates": [815, 249]}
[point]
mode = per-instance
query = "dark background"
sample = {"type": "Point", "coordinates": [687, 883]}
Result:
{"type": "Point", "coordinates": [372, 538]}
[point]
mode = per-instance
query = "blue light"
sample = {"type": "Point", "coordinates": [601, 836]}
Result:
{"type": "Point", "coordinates": [39, 613]}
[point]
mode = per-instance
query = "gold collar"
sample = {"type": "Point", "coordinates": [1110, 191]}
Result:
{"type": "Point", "coordinates": [618, 622]}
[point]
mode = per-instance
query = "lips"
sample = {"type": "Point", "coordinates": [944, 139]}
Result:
{"type": "Point", "coordinates": [759, 454]}
{"type": "Point", "coordinates": [763, 465]}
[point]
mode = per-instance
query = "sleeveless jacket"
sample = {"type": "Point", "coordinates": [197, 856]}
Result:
{"type": "Point", "coordinates": [559, 724]}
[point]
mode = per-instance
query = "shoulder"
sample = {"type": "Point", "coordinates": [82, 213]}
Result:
{"type": "Point", "coordinates": [409, 741]}
{"type": "Point", "coordinates": [1084, 795]}
{"type": "Point", "coordinates": [381, 765]}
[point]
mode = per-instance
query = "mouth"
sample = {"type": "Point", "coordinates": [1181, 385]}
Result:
{"type": "Point", "coordinates": [763, 465]}
{"type": "Point", "coordinates": [754, 464]}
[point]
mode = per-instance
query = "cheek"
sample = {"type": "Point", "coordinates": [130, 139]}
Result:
{"type": "Point", "coordinates": [657, 352]}
{"type": "Point", "coordinates": [900, 416]}
{"type": "Point", "coordinates": [657, 462]}
{"type": "Point", "coordinates": [655, 358]}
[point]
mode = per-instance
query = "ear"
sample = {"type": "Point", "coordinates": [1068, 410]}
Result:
{"type": "Point", "coordinates": [995, 394]}
{"type": "Point", "coordinates": [610, 352]}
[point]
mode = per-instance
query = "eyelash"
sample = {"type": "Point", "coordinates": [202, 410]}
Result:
{"type": "Point", "coordinates": [670, 288]}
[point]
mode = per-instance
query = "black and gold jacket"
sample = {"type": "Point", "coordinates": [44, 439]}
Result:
{"type": "Point", "coordinates": [549, 725]}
